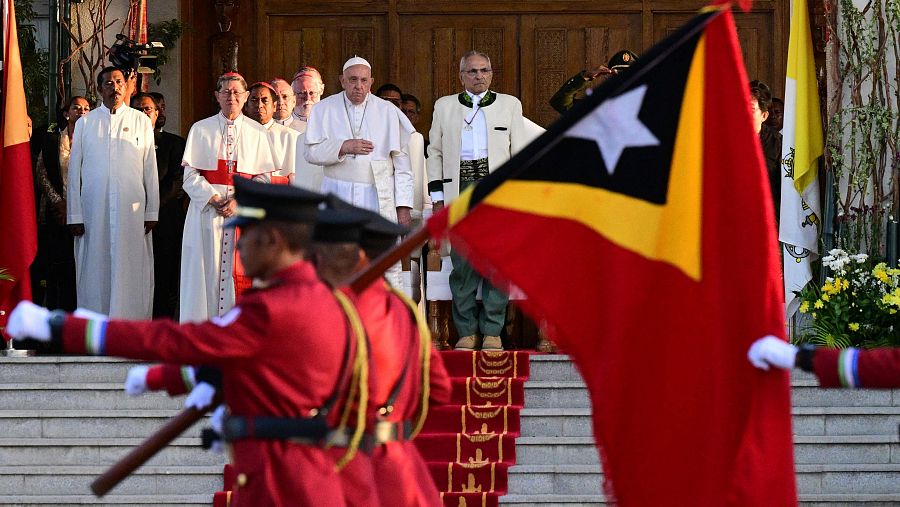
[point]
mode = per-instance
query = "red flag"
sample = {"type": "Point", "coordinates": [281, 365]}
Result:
{"type": "Point", "coordinates": [637, 227]}
{"type": "Point", "coordinates": [18, 225]}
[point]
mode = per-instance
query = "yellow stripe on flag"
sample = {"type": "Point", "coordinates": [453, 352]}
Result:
{"type": "Point", "coordinates": [15, 127]}
{"type": "Point", "coordinates": [460, 206]}
{"type": "Point", "coordinates": [808, 144]}
{"type": "Point", "coordinates": [668, 233]}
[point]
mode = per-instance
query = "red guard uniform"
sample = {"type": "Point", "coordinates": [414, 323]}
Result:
{"type": "Point", "coordinates": [400, 473]}
{"type": "Point", "coordinates": [277, 360]}
{"type": "Point", "coordinates": [857, 368]}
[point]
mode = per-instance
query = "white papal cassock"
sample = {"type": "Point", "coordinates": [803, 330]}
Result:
{"type": "Point", "coordinates": [113, 189]}
{"type": "Point", "coordinates": [380, 181]}
{"type": "Point", "coordinates": [217, 150]}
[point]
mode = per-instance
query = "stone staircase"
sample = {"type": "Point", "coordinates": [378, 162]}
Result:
{"type": "Point", "coordinates": [64, 420]}
{"type": "Point", "coordinates": [846, 449]}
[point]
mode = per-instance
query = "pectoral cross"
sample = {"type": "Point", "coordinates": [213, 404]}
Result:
{"type": "Point", "coordinates": [230, 165]}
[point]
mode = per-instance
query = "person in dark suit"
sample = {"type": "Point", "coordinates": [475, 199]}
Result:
{"type": "Point", "coordinates": [769, 138]}
{"type": "Point", "coordinates": [55, 242]}
{"type": "Point", "coordinates": [172, 211]}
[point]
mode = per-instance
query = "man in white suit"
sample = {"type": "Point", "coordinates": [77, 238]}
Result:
{"type": "Point", "coordinates": [472, 134]}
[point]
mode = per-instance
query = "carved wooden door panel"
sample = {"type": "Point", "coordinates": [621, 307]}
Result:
{"type": "Point", "coordinates": [759, 38]}
{"type": "Point", "coordinates": [432, 46]}
{"type": "Point", "coordinates": [555, 47]}
{"type": "Point", "coordinates": [324, 42]}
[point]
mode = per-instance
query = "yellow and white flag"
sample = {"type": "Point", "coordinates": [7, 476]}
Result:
{"type": "Point", "coordinates": [801, 148]}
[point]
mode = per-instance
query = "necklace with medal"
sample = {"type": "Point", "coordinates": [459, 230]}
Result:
{"type": "Point", "coordinates": [475, 111]}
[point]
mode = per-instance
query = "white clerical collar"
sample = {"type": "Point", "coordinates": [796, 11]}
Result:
{"type": "Point", "coordinates": [299, 117]}
{"type": "Point", "coordinates": [476, 98]}
{"type": "Point", "coordinates": [351, 104]}
{"type": "Point", "coordinates": [231, 122]}
{"type": "Point", "coordinates": [103, 106]}
{"type": "Point", "coordinates": [269, 124]}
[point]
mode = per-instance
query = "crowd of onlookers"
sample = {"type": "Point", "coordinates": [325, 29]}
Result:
{"type": "Point", "coordinates": [129, 214]}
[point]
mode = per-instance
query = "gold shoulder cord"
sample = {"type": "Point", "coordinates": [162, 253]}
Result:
{"type": "Point", "coordinates": [359, 380]}
{"type": "Point", "coordinates": [424, 360]}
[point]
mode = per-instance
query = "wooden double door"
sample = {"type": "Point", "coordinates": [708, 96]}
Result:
{"type": "Point", "coordinates": [534, 45]}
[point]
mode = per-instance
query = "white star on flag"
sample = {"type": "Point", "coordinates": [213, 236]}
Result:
{"type": "Point", "coordinates": [614, 126]}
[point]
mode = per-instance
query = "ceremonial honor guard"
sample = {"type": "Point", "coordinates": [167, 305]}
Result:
{"type": "Point", "coordinates": [407, 373]}
{"type": "Point", "coordinates": [219, 149]}
{"type": "Point", "coordinates": [850, 367]}
{"type": "Point", "coordinates": [284, 366]}
{"type": "Point", "coordinates": [472, 134]}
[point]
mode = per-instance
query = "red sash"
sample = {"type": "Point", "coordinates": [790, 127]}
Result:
{"type": "Point", "coordinates": [280, 180]}
{"type": "Point", "coordinates": [221, 176]}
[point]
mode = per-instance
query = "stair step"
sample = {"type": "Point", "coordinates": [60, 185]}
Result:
{"type": "Point", "coordinates": [588, 479]}
{"type": "Point", "coordinates": [86, 396]}
{"type": "Point", "coordinates": [814, 449]}
{"type": "Point", "coordinates": [556, 394]}
{"type": "Point", "coordinates": [100, 451]}
{"type": "Point", "coordinates": [805, 393]}
{"type": "Point", "coordinates": [74, 369]}
{"type": "Point", "coordinates": [86, 423]}
{"type": "Point", "coordinates": [576, 422]}
{"type": "Point", "coordinates": [148, 480]}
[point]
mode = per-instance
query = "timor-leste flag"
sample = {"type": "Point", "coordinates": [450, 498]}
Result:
{"type": "Point", "coordinates": [638, 227]}
{"type": "Point", "coordinates": [18, 226]}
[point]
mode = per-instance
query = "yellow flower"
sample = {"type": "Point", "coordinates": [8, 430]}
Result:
{"type": "Point", "coordinates": [804, 307]}
{"type": "Point", "coordinates": [813, 314]}
{"type": "Point", "coordinates": [853, 326]}
{"type": "Point", "coordinates": [818, 305]}
{"type": "Point", "coordinates": [846, 285]}
{"type": "Point", "coordinates": [826, 297]}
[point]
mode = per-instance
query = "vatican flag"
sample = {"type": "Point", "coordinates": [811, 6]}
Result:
{"type": "Point", "coordinates": [801, 148]}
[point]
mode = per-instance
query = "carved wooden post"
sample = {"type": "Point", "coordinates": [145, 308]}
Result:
{"type": "Point", "coordinates": [225, 44]}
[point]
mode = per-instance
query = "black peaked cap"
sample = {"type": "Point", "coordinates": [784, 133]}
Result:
{"type": "Point", "coordinates": [262, 201]}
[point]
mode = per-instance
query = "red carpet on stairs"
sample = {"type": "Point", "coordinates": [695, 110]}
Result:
{"type": "Point", "coordinates": [470, 442]}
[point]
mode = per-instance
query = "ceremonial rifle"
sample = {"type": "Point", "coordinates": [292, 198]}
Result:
{"type": "Point", "coordinates": [180, 423]}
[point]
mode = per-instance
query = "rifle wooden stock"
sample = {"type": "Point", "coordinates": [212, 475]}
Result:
{"type": "Point", "coordinates": [148, 448]}
{"type": "Point", "coordinates": [377, 268]}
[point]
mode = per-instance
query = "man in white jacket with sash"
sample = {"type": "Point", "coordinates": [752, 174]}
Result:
{"type": "Point", "coordinates": [219, 149]}
{"type": "Point", "coordinates": [360, 140]}
{"type": "Point", "coordinates": [113, 204]}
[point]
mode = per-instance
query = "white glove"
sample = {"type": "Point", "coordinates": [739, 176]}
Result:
{"type": "Point", "coordinates": [29, 320]}
{"type": "Point", "coordinates": [216, 421]}
{"type": "Point", "coordinates": [772, 351]}
{"type": "Point", "coordinates": [201, 396]}
{"type": "Point", "coordinates": [136, 381]}
{"type": "Point", "coordinates": [84, 313]}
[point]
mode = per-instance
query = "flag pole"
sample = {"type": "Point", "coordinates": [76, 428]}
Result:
{"type": "Point", "coordinates": [148, 448]}
{"type": "Point", "coordinates": [375, 269]}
